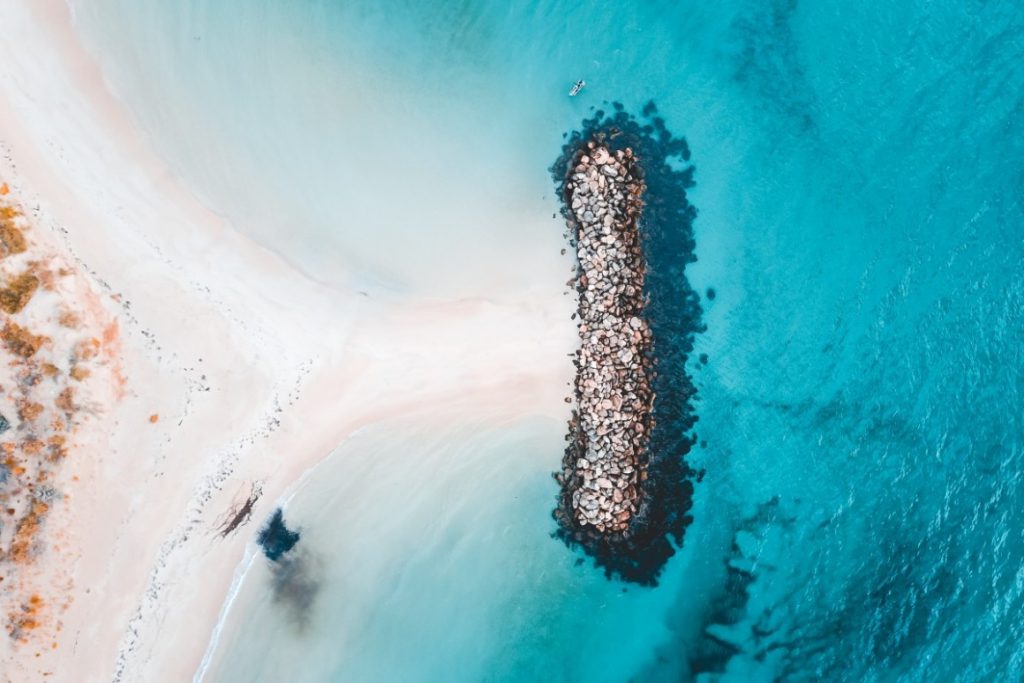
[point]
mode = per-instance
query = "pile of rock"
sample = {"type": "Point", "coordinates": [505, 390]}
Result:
{"type": "Point", "coordinates": [604, 467]}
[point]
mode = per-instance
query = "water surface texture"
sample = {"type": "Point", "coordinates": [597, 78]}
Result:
{"type": "Point", "coordinates": [859, 183]}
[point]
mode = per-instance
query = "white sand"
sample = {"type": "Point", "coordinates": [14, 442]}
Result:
{"type": "Point", "coordinates": [255, 371]}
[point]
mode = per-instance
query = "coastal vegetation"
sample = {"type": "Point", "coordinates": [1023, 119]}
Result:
{"type": "Point", "coordinates": [46, 342]}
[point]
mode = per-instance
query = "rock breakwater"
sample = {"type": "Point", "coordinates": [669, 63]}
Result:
{"type": "Point", "coordinates": [613, 390]}
{"type": "Point", "coordinates": [626, 490]}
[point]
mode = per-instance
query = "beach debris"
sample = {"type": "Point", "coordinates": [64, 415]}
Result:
{"type": "Point", "coordinates": [240, 513]}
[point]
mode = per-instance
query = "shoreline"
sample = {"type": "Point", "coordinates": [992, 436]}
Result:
{"type": "Point", "coordinates": [197, 302]}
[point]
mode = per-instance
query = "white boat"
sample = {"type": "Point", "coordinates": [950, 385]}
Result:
{"type": "Point", "coordinates": [577, 86]}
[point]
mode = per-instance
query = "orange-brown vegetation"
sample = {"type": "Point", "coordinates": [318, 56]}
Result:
{"type": "Point", "coordinates": [48, 276]}
{"type": "Point", "coordinates": [69, 319]}
{"type": "Point", "coordinates": [20, 341]}
{"type": "Point", "coordinates": [87, 349]}
{"type": "Point", "coordinates": [79, 373]}
{"type": "Point", "coordinates": [66, 400]}
{"type": "Point", "coordinates": [12, 240]}
{"type": "Point", "coordinates": [26, 530]}
{"type": "Point", "coordinates": [29, 410]}
{"type": "Point", "coordinates": [33, 447]}
{"type": "Point", "coordinates": [58, 449]}
{"type": "Point", "coordinates": [48, 409]}
{"type": "Point", "coordinates": [110, 333]}
{"type": "Point", "coordinates": [26, 618]}
{"type": "Point", "coordinates": [18, 292]}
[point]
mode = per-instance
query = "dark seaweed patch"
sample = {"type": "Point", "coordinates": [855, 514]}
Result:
{"type": "Point", "coordinates": [276, 538]}
{"type": "Point", "coordinates": [294, 574]}
{"type": "Point", "coordinates": [674, 314]}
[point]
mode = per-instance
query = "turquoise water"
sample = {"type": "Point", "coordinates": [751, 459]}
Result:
{"type": "Point", "coordinates": [860, 188]}
{"type": "Point", "coordinates": [437, 582]}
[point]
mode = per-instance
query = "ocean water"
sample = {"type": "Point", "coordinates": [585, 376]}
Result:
{"type": "Point", "coordinates": [859, 186]}
{"type": "Point", "coordinates": [412, 568]}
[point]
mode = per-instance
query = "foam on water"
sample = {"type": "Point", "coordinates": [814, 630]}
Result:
{"type": "Point", "coordinates": [859, 182]}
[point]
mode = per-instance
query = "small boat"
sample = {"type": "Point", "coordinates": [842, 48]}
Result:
{"type": "Point", "coordinates": [577, 86]}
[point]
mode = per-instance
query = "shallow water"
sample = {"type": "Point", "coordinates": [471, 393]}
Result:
{"type": "Point", "coordinates": [420, 572]}
{"type": "Point", "coordinates": [859, 182]}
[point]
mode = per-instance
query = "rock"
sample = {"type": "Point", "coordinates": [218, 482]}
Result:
{"type": "Point", "coordinates": [613, 398]}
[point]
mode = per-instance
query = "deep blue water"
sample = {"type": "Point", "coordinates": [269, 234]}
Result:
{"type": "Point", "coordinates": [859, 182]}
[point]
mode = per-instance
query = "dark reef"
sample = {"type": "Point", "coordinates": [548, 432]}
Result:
{"type": "Point", "coordinates": [276, 538]}
{"type": "Point", "coordinates": [674, 313]}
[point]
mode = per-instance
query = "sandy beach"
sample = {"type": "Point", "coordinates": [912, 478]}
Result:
{"type": "Point", "coordinates": [233, 369]}
{"type": "Point", "coordinates": [309, 262]}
